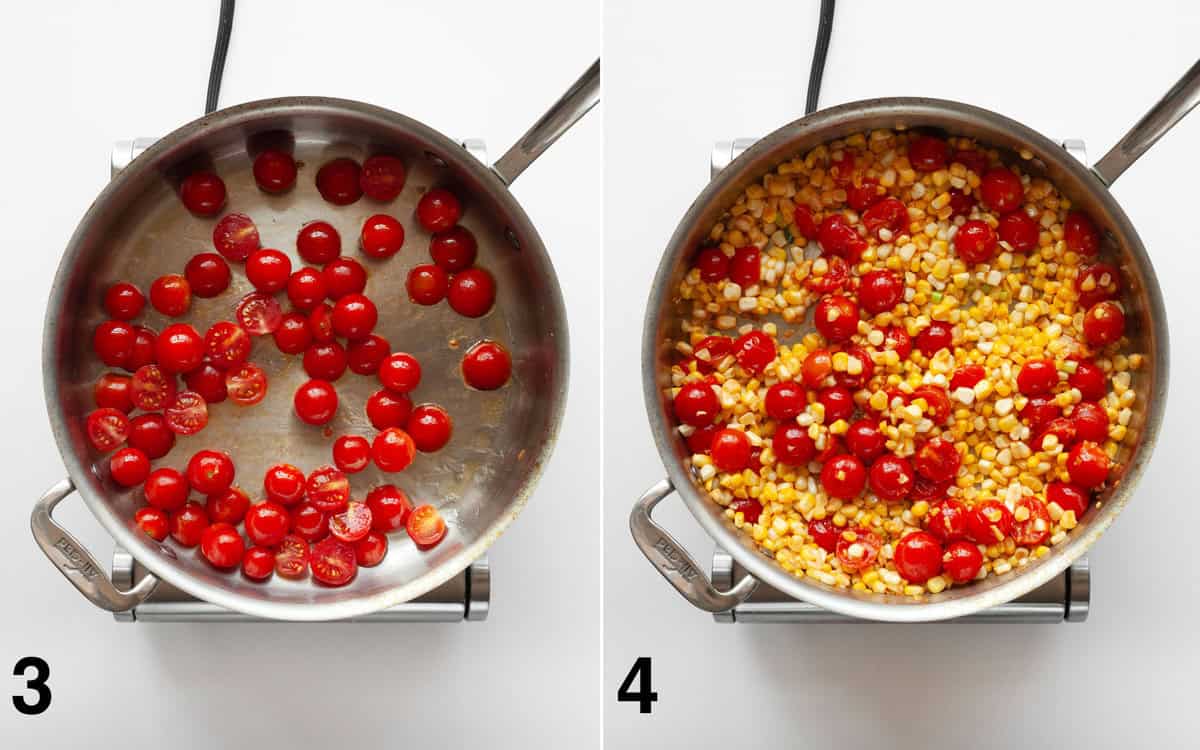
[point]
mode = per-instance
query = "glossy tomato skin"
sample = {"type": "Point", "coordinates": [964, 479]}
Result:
{"type": "Point", "coordinates": [222, 546]}
{"type": "Point", "coordinates": [315, 402]}
{"type": "Point", "coordinates": [1068, 496]}
{"type": "Point", "coordinates": [179, 348]}
{"type": "Point", "coordinates": [209, 382]}
{"type": "Point", "coordinates": [1104, 324]}
{"type": "Point", "coordinates": [1039, 411]}
{"type": "Point", "coordinates": [947, 520]}
{"type": "Point", "coordinates": [344, 276]}
{"type": "Point", "coordinates": [1031, 522]}
{"type": "Point", "coordinates": [1019, 231]}
{"type": "Point", "coordinates": [438, 210]}
{"type": "Point", "coordinates": [258, 563]}
{"type": "Point", "coordinates": [425, 526]}
{"type": "Point", "coordinates": [928, 153]}
{"type": "Point", "coordinates": [129, 467]}
{"type": "Point", "coordinates": [836, 317]}
{"type": "Point", "coordinates": [784, 400]}
{"type": "Point", "coordinates": [144, 352]}
{"type": "Point", "coordinates": [267, 523]}
{"type": "Point", "coordinates": [890, 214]}
{"type": "Point", "coordinates": [427, 284]}
{"type": "Point", "coordinates": [171, 295]}
{"type": "Point", "coordinates": [936, 336]}
{"type": "Point", "coordinates": [306, 288]}
{"type": "Point", "coordinates": [967, 376]}
{"type": "Point", "coordinates": [430, 427]}
{"type": "Point", "coordinates": [857, 549]}
{"type": "Point", "coordinates": [371, 549]}
{"type": "Point", "coordinates": [487, 366]}
{"type": "Point", "coordinates": [843, 477]}
{"type": "Point", "coordinates": [382, 236]}
{"type": "Point", "coordinates": [731, 450]}
{"type": "Point", "coordinates": [891, 477]}
{"type": "Point", "coordinates": [989, 522]}
{"type": "Point", "coordinates": [124, 301]}
{"type": "Point", "coordinates": [364, 356]}
{"type": "Point", "coordinates": [389, 508]}
{"type": "Point", "coordinates": [152, 522]}
{"type": "Point", "coordinates": [393, 449]}
{"type": "Point", "coordinates": [259, 314]}
{"type": "Point", "coordinates": [696, 404]}
{"type": "Point", "coordinates": [1002, 190]}
{"type": "Point", "coordinates": [203, 193]}
{"type": "Point", "coordinates": [333, 562]}
{"type": "Point", "coordinates": [454, 249]}
{"type": "Point", "coordinates": [382, 177]}
{"type": "Point", "coordinates": [713, 264]}
{"type": "Point", "coordinates": [338, 181]}
{"type": "Point", "coordinates": [1037, 377]}
{"type": "Point", "coordinates": [268, 270]}
{"type": "Point", "coordinates": [918, 556]}
{"type": "Point", "coordinates": [793, 446]}
{"type": "Point", "coordinates": [1081, 235]}
{"type": "Point", "coordinates": [150, 434]}
{"type": "Point", "coordinates": [292, 557]}
{"type": "Point", "coordinates": [351, 453]}
{"type": "Point", "coordinates": [227, 506]}
{"type": "Point", "coordinates": [1090, 379]}
{"type": "Point", "coordinates": [838, 403]}
{"type": "Point", "coordinates": [246, 384]}
{"type": "Point", "coordinates": [865, 441]}
{"type": "Point", "coordinates": [1088, 464]}
{"type": "Point", "coordinates": [284, 484]}
{"type": "Point", "coordinates": [824, 533]}
{"type": "Point", "coordinates": [318, 243]}
{"type": "Point", "coordinates": [210, 471]}
{"type": "Point", "coordinates": [1097, 282]}
{"type": "Point", "coordinates": [352, 523]}
{"type": "Point", "coordinates": [700, 441]}
{"type": "Point", "coordinates": [235, 236]}
{"type": "Point", "coordinates": [166, 489]}
{"type": "Point", "coordinates": [975, 242]}
{"type": "Point", "coordinates": [387, 408]}
{"type": "Point", "coordinates": [274, 171]}
{"type": "Point", "coordinates": [745, 268]}
{"type": "Point", "coordinates": [937, 460]}
{"type": "Point", "coordinates": [113, 342]}
{"type": "Point", "coordinates": [207, 274]}
{"type": "Point", "coordinates": [400, 372]}
{"type": "Point", "coordinates": [472, 292]}
{"type": "Point", "coordinates": [750, 509]}
{"type": "Point", "coordinates": [325, 361]}
{"type": "Point", "coordinates": [837, 236]}
{"type": "Point", "coordinates": [320, 324]}
{"type": "Point", "coordinates": [754, 351]}
{"type": "Point", "coordinates": [188, 524]}
{"type": "Point", "coordinates": [309, 522]}
{"type": "Point", "coordinates": [1090, 421]}
{"type": "Point", "coordinates": [962, 561]}
{"type": "Point", "coordinates": [114, 392]}
{"type": "Point", "coordinates": [293, 335]}
{"type": "Point", "coordinates": [226, 345]}
{"type": "Point", "coordinates": [354, 316]}
{"type": "Point", "coordinates": [880, 291]}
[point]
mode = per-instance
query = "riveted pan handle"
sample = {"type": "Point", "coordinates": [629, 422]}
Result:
{"type": "Point", "coordinates": [675, 563]}
{"type": "Point", "coordinates": [77, 564]}
{"type": "Point", "coordinates": [1177, 102]}
{"type": "Point", "coordinates": [574, 104]}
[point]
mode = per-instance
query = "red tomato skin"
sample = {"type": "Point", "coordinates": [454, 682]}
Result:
{"type": "Point", "coordinates": [1088, 464]}
{"type": "Point", "coordinates": [351, 453]}
{"type": "Point", "coordinates": [1081, 235]}
{"type": "Point", "coordinates": [438, 210]}
{"type": "Point", "coordinates": [124, 301]}
{"type": "Point", "coordinates": [1019, 231]}
{"type": "Point", "coordinates": [745, 268]}
{"type": "Point", "coordinates": [1002, 190]}
{"type": "Point", "coordinates": [222, 546]}
{"type": "Point", "coordinates": [202, 193]}
{"type": "Point", "coordinates": [793, 446]}
{"type": "Point", "coordinates": [344, 276]}
{"type": "Point", "coordinates": [364, 356]}
{"type": "Point", "coordinates": [962, 561]}
{"type": "Point", "coordinates": [315, 402]}
{"type": "Point", "coordinates": [258, 563]}
{"type": "Point", "coordinates": [166, 489]}
{"type": "Point", "coordinates": [836, 317]}
{"type": "Point", "coordinates": [227, 506]}
{"type": "Point", "coordinates": [696, 404]}
{"type": "Point", "coordinates": [129, 467]}
{"type": "Point", "coordinates": [453, 249]}
{"type": "Point", "coordinates": [927, 153]}
{"type": "Point", "coordinates": [472, 293]}
{"type": "Point", "coordinates": [430, 427]}
{"type": "Point", "coordinates": [1037, 377]}
{"type": "Point", "coordinates": [338, 181]}
{"type": "Point", "coordinates": [333, 562]}
{"type": "Point", "coordinates": [425, 526]}
{"type": "Point", "coordinates": [210, 471]}
{"type": "Point", "coordinates": [731, 450]}
{"type": "Point", "coordinates": [427, 284]}
{"type": "Point", "coordinates": [188, 524]}
{"type": "Point", "coordinates": [382, 177]}
{"type": "Point", "coordinates": [389, 508]}
{"type": "Point", "coordinates": [318, 243]}
{"type": "Point", "coordinates": [171, 295]}
{"type": "Point", "coordinates": [918, 557]}
{"type": "Point", "coordinates": [1068, 497]}
{"type": "Point", "coordinates": [880, 291]}
{"type": "Point", "coordinates": [152, 522]}
{"type": "Point", "coordinates": [989, 522]}
{"type": "Point", "coordinates": [393, 450]}
{"type": "Point", "coordinates": [843, 477]}
{"type": "Point", "coordinates": [975, 242]}
{"type": "Point", "coordinates": [284, 484]}
{"type": "Point", "coordinates": [207, 274]}
{"type": "Point", "coordinates": [267, 523]}
{"type": "Point", "coordinates": [712, 264]}
{"type": "Point", "coordinates": [388, 409]}
{"type": "Point", "coordinates": [754, 351]}
{"type": "Point", "coordinates": [235, 237]}
{"type": "Point", "coordinates": [371, 549]}
{"type": "Point", "coordinates": [947, 520]}
{"type": "Point", "coordinates": [487, 366]}
{"type": "Point", "coordinates": [274, 171]}
{"type": "Point", "coordinates": [933, 338]}
{"type": "Point", "coordinates": [891, 477]}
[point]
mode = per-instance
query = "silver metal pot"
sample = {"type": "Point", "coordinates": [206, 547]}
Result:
{"type": "Point", "coordinates": [1087, 188]}
{"type": "Point", "coordinates": [137, 230]}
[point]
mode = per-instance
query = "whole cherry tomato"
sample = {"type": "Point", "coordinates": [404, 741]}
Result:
{"type": "Point", "coordinates": [918, 556]}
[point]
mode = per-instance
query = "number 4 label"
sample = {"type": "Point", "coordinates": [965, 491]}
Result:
{"type": "Point", "coordinates": [645, 696]}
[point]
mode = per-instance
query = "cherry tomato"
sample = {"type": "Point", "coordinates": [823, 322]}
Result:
{"type": "Point", "coordinates": [1063, 430]}
{"type": "Point", "coordinates": [927, 153]}
{"type": "Point", "coordinates": [700, 441]}
{"type": "Point", "coordinates": [1031, 525]}
{"type": "Point", "coordinates": [947, 520]}
{"type": "Point", "coordinates": [784, 401]}
{"type": "Point", "coordinates": [857, 549]}
{"type": "Point", "coordinates": [333, 561]}
{"type": "Point", "coordinates": [918, 557]}
{"type": "Point", "coordinates": [393, 449]}
{"type": "Point", "coordinates": [171, 295]}
{"type": "Point", "coordinates": [891, 477]}
{"type": "Point", "coordinates": [309, 522]}
{"type": "Point", "coordinates": [453, 249]}
{"type": "Point", "coordinates": [203, 193]}
{"type": "Point", "coordinates": [222, 546]}
{"type": "Point", "coordinates": [291, 557]}
{"type": "Point", "coordinates": [472, 292]}
{"type": "Point", "coordinates": [258, 563]}
{"type": "Point", "coordinates": [806, 225]}
{"type": "Point", "coordinates": [971, 159]}
{"type": "Point", "coordinates": [745, 269]}
{"type": "Point", "coordinates": [150, 434]}
{"type": "Point", "coordinates": [315, 402]}
{"type": "Point", "coordinates": [188, 524]}
{"type": "Point", "coordinates": [259, 314]}
{"type": "Point", "coordinates": [207, 274]}
{"type": "Point", "coordinates": [152, 522]}
{"type": "Point", "coordinates": [352, 523]}
{"type": "Point", "coordinates": [274, 171]}
{"type": "Point", "coordinates": [187, 414]}
{"type": "Point", "coordinates": [1088, 464]}
{"type": "Point", "coordinates": [843, 477]}
{"type": "Point", "coordinates": [427, 284]}
{"type": "Point", "coordinates": [962, 561]}
{"type": "Point", "coordinates": [975, 242]}
{"type": "Point", "coordinates": [838, 403]}
{"type": "Point", "coordinates": [989, 522]}
{"type": "Point", "coordinates": [1068, 497]}
{"type": "Point", "coordinates": [246, 385]}
{"type": "Point", "coordinates": [937, 403]}
{"type": "Point", "coordinates": [1091, 422]}
{"type": "Point", "coordinates": [936, 336]}
{"type": "Point", "coordinates": [129, 467]}
{"type": "Point", "coordinates": [267, 523]}
{"type": "Point", "coordinates": [235, 237]}
{"type": "Point", "coordinates": [293, 336]}
{"type": "Point", "coordinates": [865, 441]}
{"type": "Point", "coordinates": [487, 365]}
{"type": "Point", "coordinates": [438, 210]}
{"type": "Point", "coordinates": [1037, 377]}
{"type": "Point", "coordinates": [400, 372]}
{"type": "Point", "coordinates": [754, 351]}
{"type": "Point", "coordinates": [1002, 190]}
{"type": "Point", "coordinates": [382, 177]}
{"type": "Point", "coordinates": [897, 340]}
{"type": "Point", "coordinates": [836, 317]}
{"type": "Point", "coordinates": [209, 382]}
{"type": "Point", "coordinates": [841, 169]}
{"type": "Point", "coordinates": [750, 509]}
{"type": "Point", "coordinates": [227, 506]}
{"type": "Point", "coordinates": [837, 236]}
{"type": "Point", "coordinates": [306, 288]}
{"type": "Point", "coordinates": [880, 291]}
{"type": "Point", "coordinates": [114, 392]}
{"type": "Point", "coordinates": [960, 203]}
{"type": "Point", "coordinates": [284, 484]}
{"type": "Point", "coordinates": [354, 316]}
{"type": "Point", "coordinates": [124, 301]}
{"type": "Point", "coordinates": [365, 355]}
{"type": "Point", "coordinates": [863, 194]}
{"type": "Point", "coordinates": [890, 214]}
{"type": "Point", "coordinates": [696, 404]}
{"type": "Point", "coordinates": [937, 460]}
{"type": "Point", "coordinates": [166, 489]}
{"type": "Point", "coordinates": [835, 278]}
{"type": "Point", "coordinates": [107, 428]}
{"type": "Point", "coordinates": [731, 450]}
{"type": "Point", "coordinates": [151, 389]}
{"type": "Point", "coordinates": [144, 349]}
{"type": "Point", "coordinates": [1103, 324]}
{"type": "Point", "coordinates": [1089, 379]}
{"type": "Point", "coordinates": [1080, 234]}
{"type": "Point", "coordinates": [707, 354]}
{"type": "Point", "coordinates": [382, 236]}
{"type": "Point", "coordinates": [824, 533]}
{"type": "Point", "coordinates": [817, 368]}
{"type": "Point", "coordinates": [268, 270]}
{"type": "Point", "coordinates": [967, 376]}
{"type": "Point", "coordinates": [351, 453]}
{"type": "Point", "coordinates": [713, 264]}
{"type": "Point", "coordinates": [344, 276]}
{"type": "Point", "coordinates": [1097, 282]}
{"type": "Point", "coordinates": [792, 445]}
{"type": "Point", "coordinates": [179, 348]}
{"type": "Point", "coordinates": [1019, 231]}
{"type": "Point", "coordinates": [328, 489]}
{"type": "Point", "coordinates": [318, 243]}
{"type": "Point", "coordinates": [389, 506]}
{"type": "Point", "coordinates": [1039, 411]}
{"type": "Point", "coordinates": [325, 361]}
{"type": "Point", "coordinates": [429, 426]}
{"type": "Point", "coordinates": [865, 365]}
{"type": "Point", "coordinates": [425, 526]}
{"type": "Point", "coordinates": [338, 181]}
{"type": "Point", "coordinates": [371, 549]}
{"type": "Point", "coordinates": [320, 324]}
{"type": "Point", "coordinates": [210, 471]}
{"type": "Point", "coordinates": [226, 345]}
{"type": "Point", "coordinates": [388, 409]}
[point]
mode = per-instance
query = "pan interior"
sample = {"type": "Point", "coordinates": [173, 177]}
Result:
{"type": "Point", "coordinates": [1036, 154]}
{"type": "Point", "coordinates": [138, 230]}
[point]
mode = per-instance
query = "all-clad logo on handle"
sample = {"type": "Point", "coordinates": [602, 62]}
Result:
{"type": "Point", "coordinates": [674, 560]}
{"type": "Point", "coordinates": [75, 559]}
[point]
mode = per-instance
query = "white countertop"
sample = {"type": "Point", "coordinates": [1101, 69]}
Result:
{"type": "Point", "coordinates": [80, 75]}
{"type": "Point", "coordinates": [675, 81]}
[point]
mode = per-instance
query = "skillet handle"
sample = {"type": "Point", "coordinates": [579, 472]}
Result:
{"type": "Point", "coordinates": [1169, 110]}
{"type": "Point", "coordinates": [675, 563]}
{"type": "Point", "coordinates": [574, 104]}
{"type": "Point", "coordinates": [77, 564]}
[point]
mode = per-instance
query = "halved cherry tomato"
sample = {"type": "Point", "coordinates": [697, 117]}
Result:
{"type": "Point", "coordinates": [858, 359]}
{"type": "Point", "coordinates": [880, 291]}
{"type": "Point", "coordinates": [802, 217]}
{"type": "Point", "coordinates": [865, 441]}
{"type": "Point", "coordinates": [1104, 324]}
{"type": "Point", "coordinates": [1088, 464]}
{"type": "Point", "coordinates": [962, 561]}
{"type": "Point", "coordinates": [333, 562]}
{"type": "Point", "coordinates": [897, 340]}
{"type": "Point", "coordinates": [226, 345]}
{"type": "Point", "coordinates": [731, 450]}
{"type": "Point", "coordinates": [857, 549]}
{"type": "Point", "coordinates": [352, 524]}
{"type": "Point", "coordinates": [989, 522]}
{"type": "Point", "coordinates": [1031, 522]}
{"type": "Point", "coordinates": [891, 477]}
{"type": "Point", "coordinates": [890, 214]}
{"type": "Point", "coordinates": [967, 376]}
{"type": "Point", "coordinates": [166, 489]}
{"type": "Point", "coordinates": [259, 314]}
{"type": "Point", "coordinates": [1089, 379]}
{"type": "Point", "coordinates": [972, 159]}
{"type": "Point", "coordinates": [936, 336]}
{"type": "Point", "coordinates": [309, 521]}
{"type": "Point", "coordinates": [1091, 422]}
{"type": "Point", "coordinates": [750, 509]}
{"type": "Point", "coordinates": [425, 526]}
{"type": "Point", "coordinates": [228, 505]}
{"type": "Point", "coordinates": [1002, 190]}
{"type": "Point", "coordinates": [745, 269]}
{"type": "Point", "coordinates": [793, 446]}
{"type": "Point", "coordinates": [825, 533]}
{"type": "Point", "coordinates": [838, 403]}
{"type": "Point", "coordinates": [1080, 234]}
{"type": "Point", "coordinates": [430, 427]}
{"type": "Point", "coordinates": [453, 249]}
{"type": "Point", "coordinates": [834, 279]}
{"type": "Point", "coordinates": [784, 400]}
{"type": "Point", "coordinates": [947, 520]}
{"type": "Point", "coordinates": [389, 506]}
{"type": "Point", "coordinates": [1097, 282]}
{"type": "Point", "coordinates": [937, 459]}
{"type": "Point", "coordinates": [318, 243]}
{"type": "Point", "coordinates": [837, 236]}
{"type": "Point", "coordinates": [754, 351]}
{"type": "Point", "coordinates": [371, 549]}
{"type": "Point", "coordinates": [1068, 497]}
{"type": "Point", "coordinates": [836, 317]}
{"type": "Point", "coordinates": [1019, 231]}
{"type": "Point", "coordinates": [975, 242]}
{"type": "Point", "coordinates": [937, 403]}
{"type": "Point", "coordinates": [247, 385]}
{"type": "Point", "coordinates": [129, 467]}
{"type": "Point", "coordinates": [258, 563]}
{"type": "Point", "coordinates": [328, 489]}
{"type": "Point", "coordinates": [382, 177]}
{"type": "Point", "coordinates": [339, 181]}
{"type": "Point", "coordinates": [235, 237]}
{"type": "Point", "coordinates": [107, 428]}
{"type": "Point", "coordinates": [1037, 377]}
{"type": "Point", "coordinates": [188, 524]}
{"type": "Point", "coordinates": [152, 389]}
{"type": "Point", "coordinates": [274, 171]}
{"type": "Point", "coordinates": [291, 557]}
{"type": "Point", "coordinates": [712, 264]}
{"type": "Point", "coordinates": [817, 368]}
{"type": "Point", "coordinates": [351, 453]}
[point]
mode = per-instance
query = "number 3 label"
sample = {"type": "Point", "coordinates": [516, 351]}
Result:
{"type": "Point", "coordinates": [37, 683]}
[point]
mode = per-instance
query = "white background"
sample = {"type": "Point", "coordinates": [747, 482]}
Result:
{"type": "Point", "coordinates": [78, 75]}
{"type": "Point", "coordinates": [676, 80]}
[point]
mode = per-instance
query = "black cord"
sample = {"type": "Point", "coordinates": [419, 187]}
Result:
{"type": "Point", "coordinates": [224, 28]}
{"type": "Point", "coordinates": [824, 30]}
